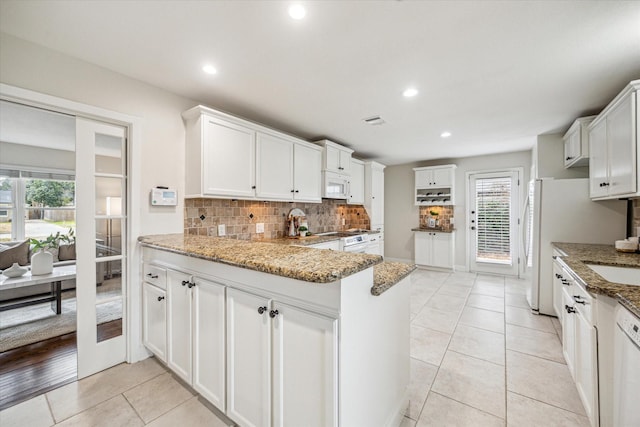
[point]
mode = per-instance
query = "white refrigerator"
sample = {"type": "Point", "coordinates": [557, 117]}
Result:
{"type": "Point", "coordinates": [560, 210]}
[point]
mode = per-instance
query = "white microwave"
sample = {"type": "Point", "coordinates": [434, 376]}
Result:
{"type": "Point", "coordinates": [336, 186]}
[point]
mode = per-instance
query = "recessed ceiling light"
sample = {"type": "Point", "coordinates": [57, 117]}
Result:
{"type": "Point", "coordinates": [209, 69]}
{"type": "Point", "coordinates": [445, 134]}
{"type": "Point", "coordinates": [297, 11]}
{"type": "Point", "coordinates": [410, 92]}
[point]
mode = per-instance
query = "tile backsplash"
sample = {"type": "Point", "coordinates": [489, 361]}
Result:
{"type": "Point", "coordinates": [445, 213]}
{"type": "Point", "coordinates": [636, 216]}
{"type": "Point", "coordinates": [202, 217]}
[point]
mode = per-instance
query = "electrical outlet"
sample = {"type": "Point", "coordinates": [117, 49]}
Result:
{"type": "Point", "coordinates": [260, 227]}
{"type": "Point", "coordinates": [222, 230]}
{"type": "Point", "coordinates": [344, 221]}
{"type": "Point", "coordinates": [451, 221]}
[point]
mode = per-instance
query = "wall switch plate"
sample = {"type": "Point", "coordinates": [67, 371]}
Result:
{"type": "Point", "coordinates": [260, 227]}
{"type": "Point", "coordinates": [344, 221]}
{"type": "Point", "coordinates": [222, 230]}
{"type": "Point", "coordinates": [451, 221]}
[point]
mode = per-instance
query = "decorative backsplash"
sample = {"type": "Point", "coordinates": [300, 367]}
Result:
{"type": "Point", "coordinates": [445, 213]}
{"type": "Point", "coordinates": [636, 216]}
{"type": "Point", "coordinates": [202, 217]}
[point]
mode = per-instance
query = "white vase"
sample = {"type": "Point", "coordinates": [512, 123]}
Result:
{"type": "Point", "coordinates": [41, 263]}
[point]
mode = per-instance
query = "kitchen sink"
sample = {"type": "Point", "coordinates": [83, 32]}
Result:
{"type": "Point", "coordinates": [624, 275]}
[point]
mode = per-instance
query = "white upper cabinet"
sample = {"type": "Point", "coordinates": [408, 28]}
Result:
{"type": "Point", "coordinates": [613, 144]}
{"type": "Point", "coordinates": [374, 192]}
{"type": "Point", "coordinates": [434, 185]}
{"type": "Point", "coordinates": [356, 183]}
{"type": "Point", "coordinates": [335, 157]}
{"type": "Point", "coordinates": [576, 143]}
{"type": "Point", "coordinates": [229, 157]}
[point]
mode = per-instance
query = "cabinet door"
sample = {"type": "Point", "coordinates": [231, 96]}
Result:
{"type": "Point", "coordinates": [356, 184]}
{"type": "Point", "coordinates": [209, 341]}
{"type": "Point", "coordinates": [274, 168]}
{"type": "Point", "coordinates": [179, 322]}
{"type": "Point", "coordinates": [305, 369]}
{"type": "Point", "coordinates": [332, 159]}
{"type": "Point", "coordinates": [442, 177]}
{"type": "Point", "coordinates": [598, 170]}
{"type": "Point", "coordinates": [422, 247]}
{"type": "Point", "coordinates": [377, 196]}
{"type": "Point", "coordinates": [586, 366]}
{"type": "Point", "coordinates": [441, 250]}
{"type": "Point", "coordinates": [228, 163]}
{"type": "Point", "coordinates": [622, 148]}
{"type": "Point", "coordinates": [568, 330]}
{"type": "Point", "coordinates": [248, 359]}
{"type": "Point", "coordinates": [345, 162]}
{"type": "Point", "coordinates": [307, 171]}
{"type": "Point", "coordinates": [154, 320]}
{"type": "Point", "coordinates": [424, 179]}
{"type": "Point", "coordinates": [557, 290]}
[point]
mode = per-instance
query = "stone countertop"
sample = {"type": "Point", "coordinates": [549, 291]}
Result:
{"type": "Point", "coordinates": [436, 230]}
{"type": "Point", "coordinates": [387, 274]}
{"type": "Point", "coordinates": [579, 255]}
{"type": "Point", "coordinates": [307, 264]}
{"type": "Point", "coordinates": [304, 241]}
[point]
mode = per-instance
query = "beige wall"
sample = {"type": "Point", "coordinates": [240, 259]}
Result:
{"type": "Point", "coordinates": [548, 158]}
{"type": "Point", "coordinates": [36, 68]}
{"type": "Point", "coordinates": [401, 215]}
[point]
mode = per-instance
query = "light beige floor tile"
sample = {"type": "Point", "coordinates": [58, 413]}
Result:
{"type": "Point", "coordinates": [486, 302]}
{"type": "Point", "coordinates": [491, 289]}
{"type": "Point", "coordinates": [32, 413]}
{"type": "Point", "coordinates": [558, 327]}
{"type": "Point", "coordinates": [489, 278]}
{"type": "Point", "coordinates": [114, 412]}
{"type": "Point", "coordinates": [524, 317]}
{"type": "Point", "coordinates": [543, 380]}
{"type": "Point", "coordinates": [446, 303]}
{"type": "Point", "coordinates": [407, 422]}
{"type": "Point", "coordinates": [516, 300]}
{"type": "Point", "coordinates": [438, 320]}
{"type": "Point", "coordinates": [485, 345]}
{"type": "Point", "coordinates": [73, 398]}
{"type": "Point", "coordinates": [428, 345]}
{"type": "Point", "coordinates": [422, 376]}
{"type": "Point", "coordinates": [472, 381]}
{"type": "Point", "coordinates": [190, 413]}
{"type": "Point", "coordinates": [516, 286]}
{"type": "Point", "coordinates": [454, 290]}
{"type": "Point", "coordinates": [440, 411]}
{"type": "Point", "coordinates": [157, 396]}
{"type": "Point", "coordinates": [456, 280]}
{"type": "Point", "coordinates": [419, 297]}
{"type": "Point", "coordinates": [533, 342]}
{"type": "Point", "coordinates": [483, 319]}
{"type": "Point", "coordinates": [521, 411]}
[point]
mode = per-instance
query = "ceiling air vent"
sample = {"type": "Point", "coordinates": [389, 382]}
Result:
{"type": "Point", "coordinates": [375, 120]}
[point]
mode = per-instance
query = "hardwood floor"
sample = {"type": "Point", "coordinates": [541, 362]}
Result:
{"type": "Point", "coordinates": [33, 369]}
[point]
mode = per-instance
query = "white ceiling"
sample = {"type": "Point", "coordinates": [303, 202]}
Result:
{"type": "Point", "coordinates": [494, 73]}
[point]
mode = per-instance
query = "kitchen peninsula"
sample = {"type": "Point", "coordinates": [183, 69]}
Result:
{"type": "Point", "coordinates": [280, 335]}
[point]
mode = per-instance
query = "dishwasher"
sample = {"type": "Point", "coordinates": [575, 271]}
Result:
{"type": "Point", "coordinates": [626, 370]}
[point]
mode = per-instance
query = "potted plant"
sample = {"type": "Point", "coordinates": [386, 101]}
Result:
{"type": "Point", "coordinates": [67, 250]}
{"type": "Point", "coordinates": [303, 231]}
{"type": "Point", "coordinates": [42, 259]}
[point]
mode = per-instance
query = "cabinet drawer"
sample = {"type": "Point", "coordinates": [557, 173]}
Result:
{"type": "Point", "coordinates": [584, 302]}
{"type": "Point", "coordinates": [155, 275]}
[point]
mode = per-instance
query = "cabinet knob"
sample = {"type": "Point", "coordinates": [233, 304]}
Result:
{"type": "Point", "coordinates": [253, 187]}
{"type": "Point", "coordinates": [273, 313]}
{"type": "Point", "coordinates": [297, 191]}
{"type": "Point", "coordinates": [160, 298]}
{"type": "Point", "coordinates": [153, 276]}
{"type": "Point", "coordinates": [185, 282]}
{"type": "Point", "coordinates": [261, 310]}
{"type": "Point", "coordinates": [569, 309]}
{"type": "Point", "coordinates": [191, 284]}
{"type": "Point", "coordinates": [293, 191]}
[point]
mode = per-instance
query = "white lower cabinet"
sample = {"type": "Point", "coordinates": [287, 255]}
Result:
{"type": "Point", "coordinates": [281, 363]}
{"type": "Point", "coordinates": [434, 249]}
{"type": "Point", "coordinates": [179, 324]}
{"type": "Point", "coordinates": [154, 320]}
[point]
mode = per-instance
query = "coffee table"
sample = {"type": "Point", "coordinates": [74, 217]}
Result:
{"type": "Point", "coordinates": [56, 277]}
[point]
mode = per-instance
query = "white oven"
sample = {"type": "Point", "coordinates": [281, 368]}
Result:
{"type": "Point", "coordinates": [336, 186]}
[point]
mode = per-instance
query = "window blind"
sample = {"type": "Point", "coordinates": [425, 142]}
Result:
{"type": "Point", "coordinates": [493, 213]}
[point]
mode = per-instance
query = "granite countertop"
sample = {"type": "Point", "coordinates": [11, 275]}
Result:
{"type": "Point", "coordinates": [310, 265]}
{"type": "Point", "coordinates": [436, 230]}
{"type": "Point", "coordinates": [387, 274]}
{"type": "Point", "coordinates": [304, 241]}
{"type": "Point", "coordinates": [579, 255]}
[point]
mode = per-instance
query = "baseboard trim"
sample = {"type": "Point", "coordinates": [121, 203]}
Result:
{"type": "Point", "coordinates": [461, 268]}
{"type": "Point", "coordinates": [406, 261]}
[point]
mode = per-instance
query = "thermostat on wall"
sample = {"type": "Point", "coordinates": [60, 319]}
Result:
{"type": "Point", "coordinates": [163, 196]}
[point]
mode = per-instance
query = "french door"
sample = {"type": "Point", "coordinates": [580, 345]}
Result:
{"type": "Point", "coordinates": [101, 191]}
{"type": "Point", "coordinates": [493, 222]}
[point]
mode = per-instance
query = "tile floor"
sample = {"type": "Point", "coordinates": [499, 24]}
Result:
{"type": "Point", "coordinates": [478, 358]}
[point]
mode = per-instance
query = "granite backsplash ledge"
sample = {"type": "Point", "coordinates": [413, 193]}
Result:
{"type": "Point", "coordinates": [202, 217]}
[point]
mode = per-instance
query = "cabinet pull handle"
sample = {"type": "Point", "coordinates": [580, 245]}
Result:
{"type": "Point", "coordinates": [153, 276]}
{"type": "Point", "coordinates": [273, 313]}
{"type": "Point", "coordinates": [569, 309]}
{"type": "Point", "coordinates": [578, 300]}
{"type": "Point", "coordinates": [293, 191]}
{"type": "Point", "coordinates": [297, 191]}
{"type": "Point", "coordinates": [191, 284]}
{"type": "Point", "coordinates": [185, 282]}
{"type": "Point", "coordinates": [261, 310]}
{"type": "Point", "coordinates": [160, 298]}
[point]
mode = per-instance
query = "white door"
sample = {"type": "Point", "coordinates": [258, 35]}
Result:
{"type": "Point", "coordinates": [101, 242]}
{"type": "Point", "coordinates": [442, 177]}
{"type": "Point", "coordinates": [248, 359]}
{"type": "Point", "coordinates": [307, 173]}
{"type": "Point", "coordinates": [305, 368]}
{"type": "Point", "coordinates": [179, 323]}
{"type": "Point", "coordinates": [154, 320]}
{"type": "Point", "coordinates": [493, 222]}
{"type": "Point", "coordinates": [209, 341]}
{"type": "Point", "coordinates": [274, 168]}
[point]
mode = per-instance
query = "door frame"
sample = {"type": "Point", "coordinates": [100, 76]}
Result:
{"type": "Point", "coordinates": [467, 223]}
{"type": "Point", "coordinates": [135, 350]}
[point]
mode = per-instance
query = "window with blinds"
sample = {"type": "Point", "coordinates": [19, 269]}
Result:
{"type": "Point", "coordinates": [493, 213]}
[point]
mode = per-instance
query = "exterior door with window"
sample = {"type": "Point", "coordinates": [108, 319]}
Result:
{"type": "Point", "coordinates": [101, 186]}
{"type": "Point", "coordinates": [493, 222]}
